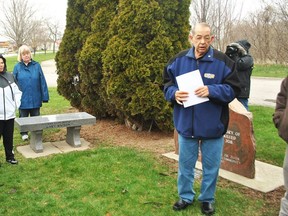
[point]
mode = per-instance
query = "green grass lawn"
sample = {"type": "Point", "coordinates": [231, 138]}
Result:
{"type": "Point", "coordinates": [111, 180]}
{"type": "Point", "coordinates": [270, 147]}
{"type": "Point", "coordinates": [272, 70]}
{"type": "Point", "coordinates": [108, 180]}
{"type": "Point", "coordinates": [103, 181]}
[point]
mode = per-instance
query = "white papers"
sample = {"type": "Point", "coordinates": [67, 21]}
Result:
{"type": "Point", "coordinates": [189, 82]}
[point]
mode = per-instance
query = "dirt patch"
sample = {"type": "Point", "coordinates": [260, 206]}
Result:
{"type": "Point", "coordinates": [112, 132]}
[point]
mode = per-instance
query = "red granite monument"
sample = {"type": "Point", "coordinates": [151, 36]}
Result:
{"type": "Point", "coordinates": [239, 143]}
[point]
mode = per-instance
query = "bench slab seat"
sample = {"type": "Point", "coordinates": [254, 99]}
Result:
{"type": "Point", "coordinates": [72, 121]}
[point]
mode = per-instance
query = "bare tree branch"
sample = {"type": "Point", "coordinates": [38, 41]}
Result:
{"type": "Point", "coordinates": [55, 33]}
{"type": "Point", "coordinates": [17, 24]}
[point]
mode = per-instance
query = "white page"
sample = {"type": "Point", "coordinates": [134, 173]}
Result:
{"type": "Point", "coordinates": [189, 82]}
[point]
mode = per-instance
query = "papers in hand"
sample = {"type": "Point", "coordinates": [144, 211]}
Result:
{"type": "Point", "coordinates": [189, 82]}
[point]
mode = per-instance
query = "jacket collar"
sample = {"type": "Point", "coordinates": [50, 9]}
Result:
{"type": "Point", "coordinates": [31, 62]}
{"type": "Point", "coordinates": [207, 57]}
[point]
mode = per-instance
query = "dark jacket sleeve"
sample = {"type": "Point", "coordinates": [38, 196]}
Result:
{"type": "Point", "coordinates": [280, 116]}
{"type": "Point", "coordinates": [229, 89]}
{"type": "Point", "coordinates": [244, 63]}
{"type": "Point", "coordinates": [169, 85]}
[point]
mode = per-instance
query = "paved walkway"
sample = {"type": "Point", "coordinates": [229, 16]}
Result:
{"type": "Point", "coordinates": [49, 69]}
{"type": "Point", "coordinates": [260, 183]}
{"type": "Point", "coordinates": [52, 148]}
{"type": "Point", "coordinates": [264, 91]}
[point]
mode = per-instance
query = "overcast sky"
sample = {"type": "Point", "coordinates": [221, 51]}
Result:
{"type": "Point", "coordinates": [249, 5]}
{"type": "Point", "coordinates": [56, 9]}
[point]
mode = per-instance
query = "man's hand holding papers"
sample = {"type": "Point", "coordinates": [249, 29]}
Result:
{"type": "Point", "coordinates": [191, 89]}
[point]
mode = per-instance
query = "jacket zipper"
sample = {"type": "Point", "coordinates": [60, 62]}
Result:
{"type": "Point", "coordinates": [197, 63]}
{"type": "Point", "coordinates": [4, 101]}
{"type": "Point", "coordinates": [4, 104]}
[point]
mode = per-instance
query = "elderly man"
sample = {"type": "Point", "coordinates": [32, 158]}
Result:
{"type": "Point", "coordinates": [204, 124]}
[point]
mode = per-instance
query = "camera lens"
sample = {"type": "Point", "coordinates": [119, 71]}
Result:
{"type": "Point", "coordinates": [231, 49]}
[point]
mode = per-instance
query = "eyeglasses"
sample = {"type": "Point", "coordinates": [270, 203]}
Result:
{"type": "Point", "coordinates": [205, 38]}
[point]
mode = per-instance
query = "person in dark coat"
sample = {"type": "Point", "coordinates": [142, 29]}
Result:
{"type": "Point", "coordinates": [239, 52]}
{"type": "Point", "coordinates": [280, 119]}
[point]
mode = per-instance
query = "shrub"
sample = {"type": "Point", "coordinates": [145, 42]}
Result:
{"type": "Point", "coordinates": [119, 52]}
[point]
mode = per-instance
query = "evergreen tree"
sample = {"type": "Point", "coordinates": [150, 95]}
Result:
{"type": "Point", "coordinates": [78, 22]}
{"type": "Point", "coordinates": [119, 49]}
{"type": "Point", "coordinates": [135, 57]}
{"type": "Point", "coordinates": [91, 73]}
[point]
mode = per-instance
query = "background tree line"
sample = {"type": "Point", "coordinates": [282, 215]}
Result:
{"type": "Point", "coordinates": [266, 29]}
{"type": "Point", "coordinates": [20, 24]}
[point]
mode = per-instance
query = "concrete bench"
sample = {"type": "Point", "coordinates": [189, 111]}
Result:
{"type": "Point", "coordinates": [72, 121]}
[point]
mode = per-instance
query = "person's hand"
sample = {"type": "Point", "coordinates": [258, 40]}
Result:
{"type": "Point", "coordinates": [202, 91]}
{"type": "Point", "coordinates": [181, 96]}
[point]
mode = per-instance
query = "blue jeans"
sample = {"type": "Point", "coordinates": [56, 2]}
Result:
{"type": "Point", "coordinates": [26, 113]}
{"type": "Point", "coordinates": [211, 153]}
{"type": "Point", "coordinates": [244, 102]}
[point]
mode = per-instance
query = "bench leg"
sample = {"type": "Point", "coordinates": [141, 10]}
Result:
{"type": "Point", "coordinates": [36, 141]}
{"type": "Point", "coordinates": [73, 136]}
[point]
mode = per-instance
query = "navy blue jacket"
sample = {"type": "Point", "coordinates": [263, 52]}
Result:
{"type": "Point", "coordinates": [209, 119]}
{"type": "Point", "coordinates": [32, 83]}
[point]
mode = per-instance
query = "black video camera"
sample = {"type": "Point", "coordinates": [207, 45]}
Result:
{"type": "Point", "coordinates": [231, 51]}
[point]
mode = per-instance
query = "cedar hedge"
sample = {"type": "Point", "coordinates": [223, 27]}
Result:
{"type": "Point", "coordinates": [118, 49]}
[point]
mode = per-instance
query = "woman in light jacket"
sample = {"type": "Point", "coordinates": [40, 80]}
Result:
{"type": "Point", "coordinates": [10, 97]}
{"type": "Point", "coordinates": [32, 83]}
